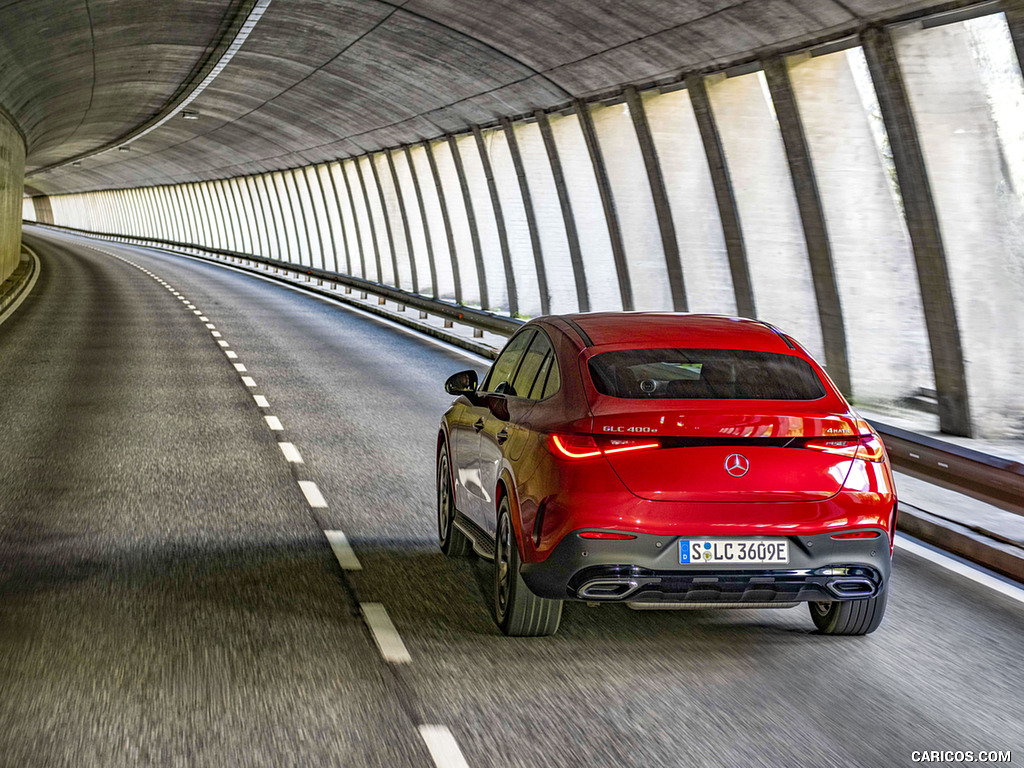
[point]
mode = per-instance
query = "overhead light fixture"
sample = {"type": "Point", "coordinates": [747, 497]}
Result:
{"type": "Point", "coordinates": [124, 149]}
{"type": "Point", "coordinates": [190, 114]}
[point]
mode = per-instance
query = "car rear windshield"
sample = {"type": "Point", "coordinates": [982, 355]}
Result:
{"type": "Point", "coordinates": [706, 374]}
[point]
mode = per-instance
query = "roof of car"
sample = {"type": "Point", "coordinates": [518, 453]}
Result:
{"type": "Point", "coordinates": [676, 329]}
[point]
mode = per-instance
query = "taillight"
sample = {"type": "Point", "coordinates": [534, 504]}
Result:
{"type": "Point", "coordinates": [857, 535]}
{"type": "Point", "coordinates": [871, 448]}
{"type": "Point", "coordinates": [621, 445]}
{"type": "Point", "coordinates": [866, 447]}
{"type": "Point", "coordinates": [574, 446]}
{"type": "Point", "coordinates": [605, 535]}
{"type": "Point", "coordinates": [586, 447]}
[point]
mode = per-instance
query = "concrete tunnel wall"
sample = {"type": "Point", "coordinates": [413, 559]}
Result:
{"type": "Point", "coordinates": [12, 175]}
{"type": "Point", "coordinates": [620, 204]}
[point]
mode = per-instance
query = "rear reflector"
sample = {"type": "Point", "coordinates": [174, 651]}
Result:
{"type": "Point", "coordinates": [586, 447]}
{"type": "Point", "coordinates": [605, 535]}
{"type": "Point", "coordinates": [857, 535]}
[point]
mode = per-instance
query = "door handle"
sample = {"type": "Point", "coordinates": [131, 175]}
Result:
{"type": "Point", "coordinates": [479, 424]}
{"type": "Point", "coordinates": [502, 436]}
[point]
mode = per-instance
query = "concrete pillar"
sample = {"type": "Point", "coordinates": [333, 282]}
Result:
{"type": "Point", "coordinates": [812, 217]}
{"type": "Point", "coordinates": [956, 102]}
{"type": "Point", "coordinates": [662, 208]}
{"type": "Point", "coordinates": [773, 235]}
{"type": "Point", "coordinates": [43, 209]}
{"type": "Point", "coordinates": [871, 249]}
{"type": "Point", "coordinates": [923, 225]}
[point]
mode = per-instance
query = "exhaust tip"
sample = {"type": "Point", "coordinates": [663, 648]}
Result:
{"type": "Point", "coordinates": [852, 587]}
{"type": "Point", "coordinates": [607, 589]}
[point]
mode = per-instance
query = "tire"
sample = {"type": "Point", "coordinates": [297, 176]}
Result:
{"type": "Point", "coordinates": [518, 612]}
{"type": "Point", "coordinates": [452, 541]}
{"type": "Point", "coordinates": [850, 617]}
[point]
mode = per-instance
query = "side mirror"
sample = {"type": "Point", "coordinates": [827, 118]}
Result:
{"type": "Point", "coordinates": [461, 383]}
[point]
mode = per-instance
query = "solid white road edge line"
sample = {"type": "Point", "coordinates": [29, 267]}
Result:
{"type": "Point", "coordinates": [974, 573]}
{"type": "Point", "coordinates": [291, 453]}
{"type": "Point", "coordinates": [384, 633]}
{"type": "Point", "coordinates": [312, 494]}
{"type": "Point", "coordinates": [343, 551]}
{"type": "Point", "coordinates": [442, 746]}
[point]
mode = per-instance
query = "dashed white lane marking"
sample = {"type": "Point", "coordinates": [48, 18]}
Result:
{"type": "Point", "coordinates": [216, 334]}
{"type": "Point", "coordinates": [211, 326]}
{"type": "Point", "coordinates": [384, 633]}
{"type": "Point", "coordinates": [249, 381]}
{"type": "Point", "coordinates": [291, 453]}
{"type": "Point", "coordinates": [223, 343]}
{"type": "Point", "coordinates": [191, 306]}
{"type": "Point", "coordinates": [240, 368]}
{"type": "Point", "coordinates": [974, 573]}
{"type": "Point", "coordinates": [203, 318]}
{"type": "Point", "coordinates": [261, 401]}
{"type": "Point", "coordinates": [343, 551]}
{"type": "Point", "coordinates": [231, 355]}
{"type": "Point", "coordinates": [274, 423]}
{"type": "Point", "coordinates": [442, 746]}
{"type": "Point", "coordinates": [349, 308]}
{"type": "Point", "coordinates": [197, 312]}
{"type": "Point", "coordinates": [312, 494]}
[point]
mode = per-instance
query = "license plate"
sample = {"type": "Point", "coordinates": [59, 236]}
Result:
{"type": "Point", "coordinates": [738, 551]}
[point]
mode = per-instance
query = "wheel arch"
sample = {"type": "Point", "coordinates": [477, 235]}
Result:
{"type": "Point", "coordinates": [506, 487]}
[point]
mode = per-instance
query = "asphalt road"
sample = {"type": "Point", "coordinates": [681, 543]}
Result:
{"type": "Point", "coordinates": [168, 595]}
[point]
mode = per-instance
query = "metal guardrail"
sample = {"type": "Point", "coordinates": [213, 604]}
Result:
{"type": "Point", "coordinates": [992, 479]}
{"type": "Point", "coordinates": [475, 318]}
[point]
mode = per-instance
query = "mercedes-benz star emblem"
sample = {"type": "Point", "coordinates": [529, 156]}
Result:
{"type": "Point", "coordinates": [736, 464]}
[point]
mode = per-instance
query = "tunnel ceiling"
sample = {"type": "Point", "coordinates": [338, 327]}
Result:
{"type": "Point", "coordinates": [320, 79]}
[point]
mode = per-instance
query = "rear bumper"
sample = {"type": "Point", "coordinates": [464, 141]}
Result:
{"type": "Point", "coordinates": [647, 570]}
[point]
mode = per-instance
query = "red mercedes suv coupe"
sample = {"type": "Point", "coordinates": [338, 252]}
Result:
{"type": "Point", "coordinates": [665, 461]}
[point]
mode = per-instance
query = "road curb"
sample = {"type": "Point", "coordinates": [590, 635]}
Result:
{"type": "Point", "coordinates": [20, 280]}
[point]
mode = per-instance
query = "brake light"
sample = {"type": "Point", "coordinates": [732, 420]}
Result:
{"type": "Point", "coordinates": [866, 447]}
{"type": "Point", "coordinates": [857, 535]}
{"type": "Point", "coordinates": [619, 445]}
{"type": "Point", "coordinates": [871, 449]}
{"type": "Point", "coordinates": [574, 446]}
{"type": "Point", "coordinates": [586, 447]}
{"type": "Point", "coordinates": [605, 535]}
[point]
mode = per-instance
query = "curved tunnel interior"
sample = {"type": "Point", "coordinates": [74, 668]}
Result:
{"type": "Point", "coordinates": [201, 421]}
